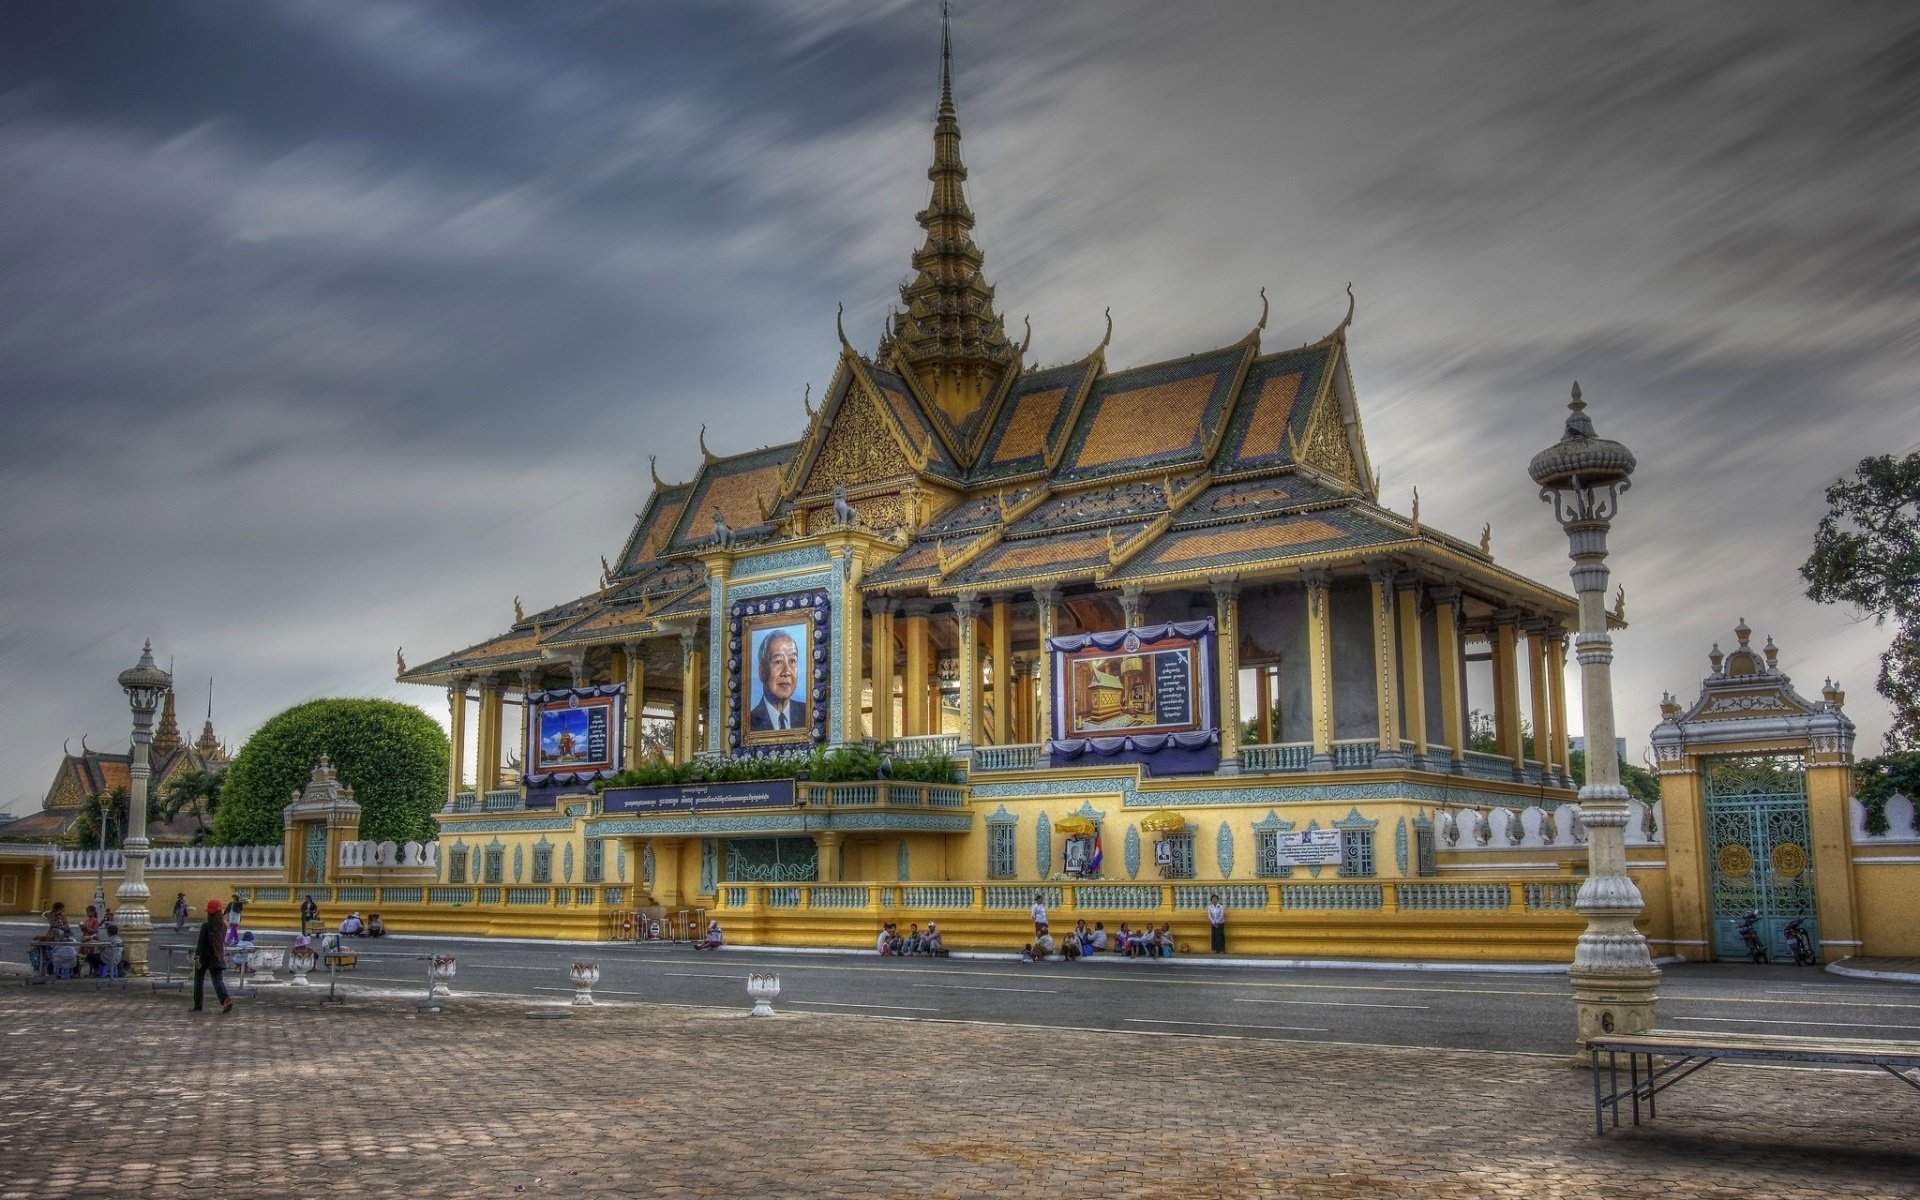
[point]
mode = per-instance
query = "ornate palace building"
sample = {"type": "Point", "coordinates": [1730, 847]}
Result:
{"type": "Point", "coordinates": [1166, 587]}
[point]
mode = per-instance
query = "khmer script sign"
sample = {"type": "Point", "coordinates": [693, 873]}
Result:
{"type": "Point", "coordinates": [1310, 848]}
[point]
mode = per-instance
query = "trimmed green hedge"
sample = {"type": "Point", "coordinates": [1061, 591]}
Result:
{"type": "Point", "coordinates": [393, 755]}
{"type": "Point", "coordinates": [846, 764]}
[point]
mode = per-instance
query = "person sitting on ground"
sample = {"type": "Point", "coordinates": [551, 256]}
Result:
{"type": "Point", "coordinates": [1044, 946]}
{"type": "Point", "coordinates": [1097, 940]}
{"type": "Point", "coordinates": [375, 926]}
{"type": "Point", "coordinates": [1121, 937]}
{"type": "Point", "coordinates": [714, 938]}
{"type": "Point", "coordinates": [1141, 942]}
{"type": "Point", "coordinates": [1070, 948]}
{"type": "Point", "coordinates": [884, 942]}
{"type": "Point", "coordinates": [932, 943]}
{"type": "Point", "coordinates": [352, 926]}
{"type": "Point", "coordinates": [1166, 940]}
{"type": "Point", "coordinates": [1080, 933]}
{"type": "Point", "coordinates": [309, 912]}
{"type": "Point", "coordinates": [912, 946]}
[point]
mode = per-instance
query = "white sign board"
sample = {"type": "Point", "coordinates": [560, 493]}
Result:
{"type": "Point", "coordinates": [1310, 848]}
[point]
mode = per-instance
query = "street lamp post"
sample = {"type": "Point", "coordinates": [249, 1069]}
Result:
{"type": "Point", "coordinates": [1615, 984]}
{"type": "Point", "coordinates": [144, 684]}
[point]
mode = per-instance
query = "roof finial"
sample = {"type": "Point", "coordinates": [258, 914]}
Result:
{"type": "Point", "coordinates": [659, 485]}
{"type": "Point", "coordinates": [1263, 309]}
{"type": "Point", "coordinates": [806, 400]}
{"type": "Point", "coordinates": [840, 325]}
{"type": "Point", "coordinates": [1026, 341]}
{"type": "Point", "coordinates": [1109, 334]}
{"type": "Point", "coordinates": [705, 453]}
{"type": "Point", "coordinates": [1348, 319]}
{"type": "Point", "coordinates": [946, 57]}
{"type": "Point", "coordinates": [209, 697]}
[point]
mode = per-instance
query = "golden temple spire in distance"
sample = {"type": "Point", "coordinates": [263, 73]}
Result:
{"type": "Point", "coordinates": [950, 336]}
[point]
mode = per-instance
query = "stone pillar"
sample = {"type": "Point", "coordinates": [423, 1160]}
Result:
{"type": "Point", "coordinates": [913, 698]}
{"type": "Point", "coordinates": [666, 872]}
{"type": "Point", "coordinates": [1046, 615]}
{"type": "Point", "coordinates": [828, 845]}
{"type": "Point", "coordinates": [1006, 676]}
{"type": "Point", "coordinates": [457, 728]}
{"type": "Point", "coordinates": [881, 634]}
{"type": "Point", "coordinates": [1386, 676]}
{"type": "Point", "coordinates": [1543, 727]}
{"type": "Point", "coordinates": [1131, 596]}
{"type": "Point", "coordinates": [39, 886]}
{"type": "Point", "coordinates": [1413, 669]}
{"type": "Point", "coordinates": [686, 729]}
{"type": "Point", "coordinates": [1557, 693]}
{"type": "Point", "coordinates": [1453, 698]}
{"type": "Point", "coordinates": [490, 716]}
{"type": "Point", "coordinates": [1263, 705]}
{"type": "Point", "coordinates": [1226, 602]}
{"type": "Point", "coordinates": [1319, 590]}
{"type": "Point", "coordinates": [529, 683]}
{"type": "Point", "coordinates": [966, 607]}
{"type": "Point", "coordinates": [1504, 644]}
{"type": "Point", "coordinates": [634, 655]}
{"type": "Point", "coordinates": [851, 673]}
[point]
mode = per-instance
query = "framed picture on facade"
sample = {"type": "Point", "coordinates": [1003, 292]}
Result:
{"type": "Point", "coordinates": [1145, 694]}
{"type": "Point", "coordinates": [778, 672]}
{"type": "Point", "coordinates": [574, 734]}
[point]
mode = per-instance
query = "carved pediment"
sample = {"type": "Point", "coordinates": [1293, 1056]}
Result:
{"type": "Point", "coordinates": [860, 448]}
{"type": "Point", "coordinates": [1325, 447]}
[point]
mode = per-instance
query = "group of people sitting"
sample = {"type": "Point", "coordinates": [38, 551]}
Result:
{"type": "Point", "coordinates": [1084, 942]}
{"type": "Point", "coordinates": [913, 942]}
{"type": "Point", "coordinates": [60, 952]}
{"type": "Point", "coordinates": [353, 926]}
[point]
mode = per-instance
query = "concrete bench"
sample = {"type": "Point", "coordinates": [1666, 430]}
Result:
{"type": "Point", "coordinates": [1684, 1052]}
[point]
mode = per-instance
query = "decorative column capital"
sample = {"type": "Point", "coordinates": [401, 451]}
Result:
{"type": "Point", "coordinates": [1224, 587]}
{"type": "Point", "coordinates": [1050, 594]}
{"type": "Point", "coordinates": [878, 606]}
{"type": "Point", "coordinates": [965, 605]}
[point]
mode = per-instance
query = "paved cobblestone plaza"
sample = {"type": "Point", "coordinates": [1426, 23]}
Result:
{"type": "Point", "coordinates": [125, 1093]}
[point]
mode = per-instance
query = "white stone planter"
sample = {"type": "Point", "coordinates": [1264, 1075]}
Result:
{"type": "Point", "coordinates": [584, 975]}
{"type": "Point", "coordinates": [300, 962]}
{"type": "Point", "coordinates": [442, 973]}
{"type": "Point", "coordinates": [762, 989]}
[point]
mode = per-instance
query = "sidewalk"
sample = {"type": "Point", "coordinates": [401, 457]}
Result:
{"type": "Point", "coordinates": [125, 1093]}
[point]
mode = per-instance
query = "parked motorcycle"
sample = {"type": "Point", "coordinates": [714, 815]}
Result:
{"type": "Point", "coordinates": [1750, 934]}
{"type": "Point", "coordinates": [1802, 942]}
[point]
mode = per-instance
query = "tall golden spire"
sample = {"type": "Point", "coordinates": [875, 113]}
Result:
{"type": "Point", "coordinates": [950, 334]}
{"type": "Point", "coordinates": [207, 744]}
{"type": "Point", "coordinates": [166, 737]}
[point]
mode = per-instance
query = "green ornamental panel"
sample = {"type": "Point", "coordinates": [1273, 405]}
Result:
{"type": "Point", "coordinates": [772, 860]}
{"type": "Point", "coordinates": [1758, 851]}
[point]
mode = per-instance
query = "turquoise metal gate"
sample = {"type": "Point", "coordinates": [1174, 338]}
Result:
{"type": "Point", "coordinates": [1757, 851]}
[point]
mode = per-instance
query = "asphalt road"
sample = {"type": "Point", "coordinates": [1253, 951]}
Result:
{"type": "Point", "coordinates": [1518, 1012]}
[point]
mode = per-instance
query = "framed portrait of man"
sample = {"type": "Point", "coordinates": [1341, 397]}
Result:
{"type": "Point", "coordinates": [776, 700]}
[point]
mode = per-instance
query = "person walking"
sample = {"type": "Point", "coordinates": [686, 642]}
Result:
{"type": "Point", "coordinates": [180, 912]}
{"type": "Point", "coordinates": [1217, 918]}
{"type": "Point", "coordinates": [210, 958]}
{"type": "Point", "coordinates": [1039, 914]}
{"type": "Point", "coordinates": [235, 907]}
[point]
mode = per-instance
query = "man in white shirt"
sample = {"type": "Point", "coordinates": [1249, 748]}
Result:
{"type": "Point", "coordinates": [1217, 918]}
{"type": "Point", "coordinates": [1039, 914]}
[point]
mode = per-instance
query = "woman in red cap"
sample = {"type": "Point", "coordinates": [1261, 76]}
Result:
{"type": "Point", "coordinates": [210, 958]}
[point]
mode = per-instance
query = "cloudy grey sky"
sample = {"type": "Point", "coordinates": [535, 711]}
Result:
{"type": "Point", "coordinates": [332, 325]}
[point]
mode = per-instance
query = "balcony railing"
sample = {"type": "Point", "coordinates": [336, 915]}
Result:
{"type": "Point", "coordinates": [925, 745]}
{"type": "Point", "coordinates": [1009, 758]}
{"type": "Point", "coordinates": [880, 793]}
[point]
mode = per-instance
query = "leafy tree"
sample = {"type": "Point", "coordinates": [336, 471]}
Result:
{"type": "Point", "coordinates": [393, 755]}
{"type": "Point", "coordinates": [1482, 738]}
{"type": "Point", "coordinates": [195, 792]}
{"type": "Point", "coordinates": [110, 804]}
{"type": "Point", "coordinates": [1866, 553]}
{"type": "Point", "coordinates": [1878, 780]}
{"type": "Point", "coordinates": [1643, 785]}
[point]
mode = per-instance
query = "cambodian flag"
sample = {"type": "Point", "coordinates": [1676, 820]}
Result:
{"type": "Point", "coordinates": [1093, 864]}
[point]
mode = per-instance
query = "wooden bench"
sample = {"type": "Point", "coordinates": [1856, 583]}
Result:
{"type": "Point", "coordinates": [1686, 1051]}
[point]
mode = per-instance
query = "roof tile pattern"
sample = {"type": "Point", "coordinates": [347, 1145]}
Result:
{"type": "Point", "coordinates": [735, 486]}
{"type": "Point", "coordinates": [1276, 399]}
{"type": "Point", "coordinates": [1070, 555]}
{"type": "Point", "coordinates": [1257, 543]}
{"type": "Point", "coordinates": [1032, 422]}
{"type": "Point", "coordinates": [1153, 416]}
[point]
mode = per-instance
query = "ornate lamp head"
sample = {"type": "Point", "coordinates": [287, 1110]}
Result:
{"type": "Point", "coordinates": [145, 683]}
{"type": "Point", "coordinates": [1582, 474]}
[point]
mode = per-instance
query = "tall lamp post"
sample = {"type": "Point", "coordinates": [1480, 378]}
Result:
{"type": "Point", "coordinates": [1615, 984]}
{"type": "Point", "coordinates": [144, 684]}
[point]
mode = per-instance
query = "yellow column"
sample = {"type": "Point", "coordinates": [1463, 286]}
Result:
{"type": "Point", "coordinates": [828, 845]}
{"type": "Point", "coordinates": [1386, 675]}
{"type": "Point", "coordinates": [1557, 700]}
{"type": "Point", "coordinates": [1453, 701]}
{"type": "Point", "coordinates": [1689, 898]}
{"type": "Point", "coordinates": [686, 728]}
{"type": "Point", "coordinates": [635, 656]}
{"type": "Point", "coordinates": [1830, 792]}
{"type": "Point", "coordinates": [528, 683]}
{"type": "Point", "coordinates": [913, 698]}
{"type": "Point", "coordinates": [1413, 669]}
{"type": "Point", "coordinates": [1045, 615]}
{"type": "Point", "coordinates": [1005, 675]}
{"type": "Point", "coordinates": [881, 632]}
{"type": "Point", "coordinates": [1319, 588]}
{"type": "Point", "coordinates": [1263, 706]}
{"type": "Point", "coordinates": [457, 730]}
{"type": "Point", "coordinates": [966, 608]}
{"type": "Point", "coordinates": [852, 673]}
{"type": "Point", "coordinates": [1543, 730]}
{"type": "Point", "coordinates": [1226, 603]}
{"type": "Point", "coordinates": [1506, 687]}
{"type": "Point", "coordinates": [39, 886]}
{"type": "Point", "coordinates": [666, 872]}
{"type": "Point", "coordinates": [489, 777]}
